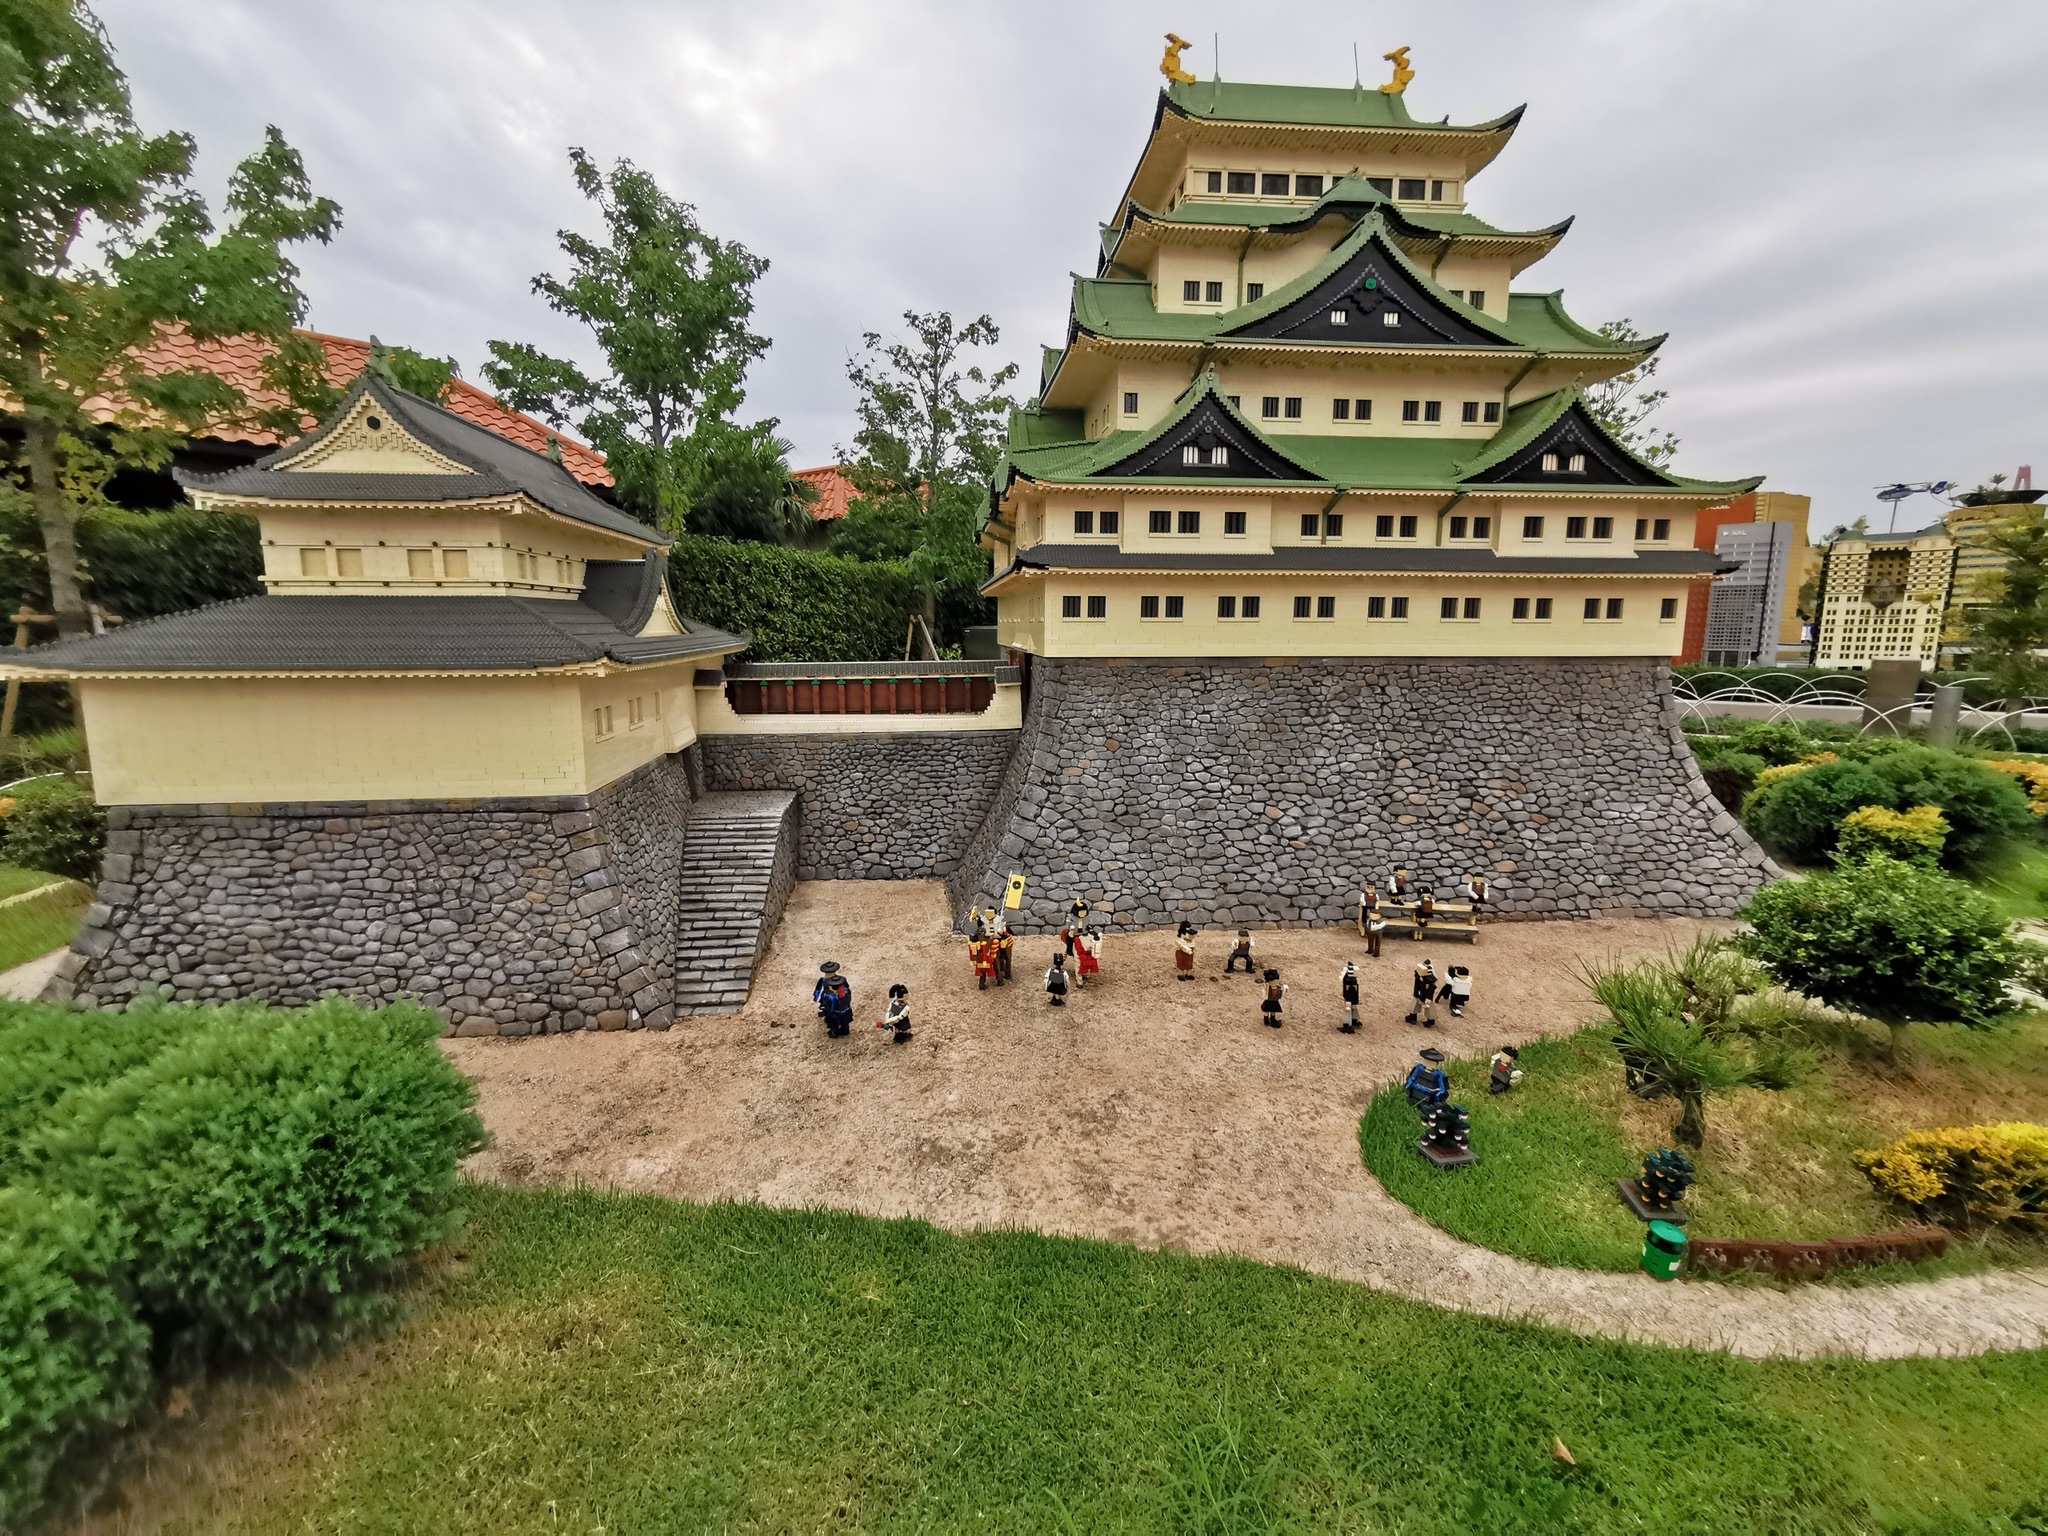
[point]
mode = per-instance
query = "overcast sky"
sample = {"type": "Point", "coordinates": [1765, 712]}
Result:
{"type": "Point", "coordinates": [1837, 208]}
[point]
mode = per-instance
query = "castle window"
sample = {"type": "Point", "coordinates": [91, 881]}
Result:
{"type": "Point", "coordinates": [1308, 186]}
{"type": "Point", "coordinates": [1667, 608]}
{"type": "Point", "coordinates": [348, 562]}
{"type": "Point", "coordinates": [1592, 610]}
{"type": "Point", "coordinates": [1542, 607]}
{"type": "Point", "coordinates": [1491, 413]}
{"type": "Point", "coordinates": [1176, 607]}
{"type": "Point", "coordinates": [603, 720]}
{"type": "Point", "coordinates": [1383, 527]}
{"type": "Point", "coordinates": [1106, 522]}
{"type": "Point", "coordinates": [312, 562]}
{"type": "Point", "coordinates": [1212, 181]}
{"type": "Point", "coordinates": [1575, 527]}
{"type": "Point", "coordinates": [1293, 411]}
{"type": "Point", "coordinates": [1469, 412]}
{"type": "Point", "coordinates": [1398, 608]}
{"type": "Point", "coordinates": [1273, 184]}
{"type": "Point", "coordinates": [1333, 525]}
{"type": "Point", "coordinates": [1340, 317]}
{"type": "Point", "coordinates": [1190, 521]}
{"type": "Point", "coordinates": [1614, 607]}
{"type": "Point", "coordinates": [1340, 410]}
{"type": "Point", "coordinates": [1660, 530]}
{"type": "Point", "coordinates": [1411, 410]}
{"type": "Point", "coordinates": [1390, 317]}
{"type": "Point", "coordinates": [1311, 525]}
{"type": "Point", "coordinates": [1532, 527]}
{"type": "Point", "coordinates": [1375, 607]}
{"type": "Point", "coordinates": [1269, 407]}
{"type": "Point", "coordinates": [1084, 522]}
{"type": "Point", "coordinates": [1361, 410]}
{"type": "Point", "coordinates": [636, 713]}
{"type": "Point", "coordinates": [1436, 191]}
{"type": "Point", "coordinates": [1384, 185]}
{"type": "Point", "coordinates": [1603, 527]}
{"type": "Point", "coordinates": [1642, 528]}
{"type": "Point", "coordinates": [1148, 607]}
{"type": "Point", "coordinates": [1191, 454]}
{"type": "Point", "coordinates": [1070, 607]}
{"type": "Point", "coordinates": [1457, 527]}
{"type": "Point", "coordinates": [1162, 521]}
{"type": "Point", "coordinates": [1130, 402]}
{"type": "Point", "coordinates": [1226, 607]}
{"type": "Point", "coordinates": [1254, 291]}
{"type": "Point", "coordinates": [419, 564]}
{"type": "Point", "coordinates": [1301, 608]}
{"type": "Point", "coordinates": [1408, 527]}
{"type": "Point", "coordinates": [1413, 187]}
{"type": "Point", "coordinates": [1233, 523]}
{"type": "Point", "coordinates": [1098, 607]}
{"type": "Point", "coordinates": [1432, 410]}
{"type": "Point", "coordinates": [1447, 608]}
{"type": "Point", "coordinates": [1326, 607]}
{"type": "Point", "coordinates": [1250, 606]}
{"type": "Point", "coordinates": [1244, 181]}
{"type": "Point", "coordinates": [1521, 610]}
{"type": "Point", "coordinates": [1213, 293]}
{"type": "Point", "coordinates": [1191, 291]}
{"type": "Point", "coordinates": [455, 564]}
{"type": "Point", "coordinates": [1550, 464]}
{"type": "Point", "coordinates": [1476, 298]}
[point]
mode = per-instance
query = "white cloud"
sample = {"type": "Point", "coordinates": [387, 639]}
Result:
{"type": "Point", "coordinates": [1835, 208]}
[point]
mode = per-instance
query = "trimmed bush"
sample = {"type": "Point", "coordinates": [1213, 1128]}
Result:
{"type": "Point", "coordinates": [1794, 811]}
{"type": "Point", "coordinates": [54, 824]}
{"type": "Point", "coordinates": [797, 605]}
{"type": "Point", "coordinates": [1731, 776]}
{"type": "Point", "coordinates": [1775, 741]}
{"type": "Point", "coordinates": [1967, 1175]}
{"type": "Point", "coordinates": [2031, 776]}
{"type": "Point", "coordinates": [1986, 810]}
{"type": "Point", "coordinates": [1889, 941]}
{"type": "Point", "coordinates": [1912, 837]}
{"type": "Point", "coordinates": [74, 1359]}
{"type": "Point", "coordinates": [277, 1167]}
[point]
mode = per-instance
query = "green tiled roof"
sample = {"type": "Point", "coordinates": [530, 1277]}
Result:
{"type": "Point", "coordinates": [1356, 462]}
{"type": "Point", "coordinates": [1121, 307]}
{"type": "Point", "coordinates": [1307, 105]}
{"type": "Point", "coordinates": [1346, 193]}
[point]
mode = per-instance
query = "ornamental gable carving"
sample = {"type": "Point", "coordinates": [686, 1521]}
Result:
{"type": "Point", "coordinates": [1573, 450]}
{"type": "Point", "coordinates": [1208, 443]}
{"type": "Point", "coordinates": [1370, 301]}
{"type": "Point", "coordinates": [370, 442]}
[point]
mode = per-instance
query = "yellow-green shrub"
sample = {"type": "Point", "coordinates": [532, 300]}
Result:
{"type": "Point", "coordinates": [1787, 770]}
{"type": "Point", "coordinates": [1913, 837]}
{"type": "Point", "coordinates": [2033, 779]}
{"type": "Point", "coordinates": [1967, 1174]}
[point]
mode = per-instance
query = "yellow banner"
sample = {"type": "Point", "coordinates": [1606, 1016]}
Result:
{"type": "Point", "coordinates": [1013, 898]}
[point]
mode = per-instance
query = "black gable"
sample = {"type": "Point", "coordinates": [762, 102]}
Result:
{"type": "Point", "coordinates": [1368, 288]}
{"type": "Point", "coordinates": [1223, 449]}
{"type": "Point", "coordinates": [1573, 437]}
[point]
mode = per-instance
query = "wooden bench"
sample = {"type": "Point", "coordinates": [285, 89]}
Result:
{"type": "Point", "coordinates": [1451, 920]}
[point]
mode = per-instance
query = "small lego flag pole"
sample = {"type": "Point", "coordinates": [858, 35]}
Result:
{"type": "Point", "coordinates": [1013, 898]}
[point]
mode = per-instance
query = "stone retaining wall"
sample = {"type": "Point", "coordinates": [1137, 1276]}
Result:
{"type": "Point", "coordinates": [1264, 792]}
{"type": "Point", "coordinates": [874, 807]}
{"type": "Point", "coordinates": [505, 916]}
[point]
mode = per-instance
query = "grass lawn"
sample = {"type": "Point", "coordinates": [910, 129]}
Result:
{"type": "Point", "coordinates": [40, 924]}
{"type": "Point", "coordinates": [591, 1362]}
{"type": "Point", "coordinates": [2019, 884]}
{"type": "Point", "coordinates": [1775, 1164]}
{"type": "Point", "coordinates": [13, 880]}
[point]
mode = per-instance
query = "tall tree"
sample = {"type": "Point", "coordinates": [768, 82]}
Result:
{"type": "Point", "coordinates": [2008, 631]}
{"type": "Point", "coordinates": [749, 493]}
{"type": "Point", "coordinates": [931, 434]}
{"type": "Point", "coordinates": [103, 242]}
{"type": "Point", "coordinates": [669, 306]}
{"type": "Point", "coordinates": [1625, 403]}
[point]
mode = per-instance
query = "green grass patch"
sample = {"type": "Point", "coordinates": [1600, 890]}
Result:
{"type": "Point", "coordinates": [13, 880]}
{"type": "Point", "coordinates": [40, 924]}
{"type": "Point", "coordinates": [1775, 1164]}
{"type": "Point", "coordinates": [2018, 884]}
{"type": "Point", "coordinates": [625, 1363]}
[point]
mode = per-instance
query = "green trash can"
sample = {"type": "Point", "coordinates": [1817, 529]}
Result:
{"type": "Point", "coordinates": [1663, 1250]}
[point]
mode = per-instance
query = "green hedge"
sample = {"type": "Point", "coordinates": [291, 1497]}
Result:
{"type": "Point", "coordinates": [54, 824]}
{"type": "Point", "coordinates": [797, 605]}
{"type": "Point", "coordinates": [220, 1180]}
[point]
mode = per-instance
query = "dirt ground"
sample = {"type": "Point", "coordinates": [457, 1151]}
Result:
{"type": "Point", "coordinates": [1148, 1111]}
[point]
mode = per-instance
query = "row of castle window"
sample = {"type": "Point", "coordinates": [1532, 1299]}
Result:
{"type": "Point", "coordinates": [1458, 609]}
{"type": "Point", "coordinates": [419, 565]}
{"type": "Point", "coordinates": [1330, 525]}
{"type": "Point", "coordinates": [1194, 290]}
{"type": "Point", "coordinates": [605, 721]}
{"type": "Point", "coordinates": [1412, 189]}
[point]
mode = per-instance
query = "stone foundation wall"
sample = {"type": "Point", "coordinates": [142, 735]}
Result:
{"type": "Point", "coordinates": [874, 807]}
{"type": "Point", "coordinates": [1266, 791]}
{"type": "Point", "coordinates": [504, 916]}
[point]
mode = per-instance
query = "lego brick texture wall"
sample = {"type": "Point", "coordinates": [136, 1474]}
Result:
{"type": "Point", "coordinates": [874, 807]}
{"type": "Point", "coordinates": [506, 916]}
{"type": "Point", "coordinates": [1264, 792]}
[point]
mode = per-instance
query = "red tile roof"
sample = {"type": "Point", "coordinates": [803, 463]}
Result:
{"type": "Point", "coordinates": [834, 490]}
{"type": "Point", "coordinates": [239, 360]}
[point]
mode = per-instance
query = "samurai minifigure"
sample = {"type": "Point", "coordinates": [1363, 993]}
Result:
{"type": "Point", "coordinates": [1473, 889]}
{"type": "Point", "coordinates": [1399, 885]}
{"type": "Point", "coordinates": [1241, 950]}
{"type": "Point", "coordinates": [1426, 1082]}
{"type": "Point", "coordinates": [1184, 952]}
{"type": "Point", "coordinates": [982, 951]}
{"type": "Point", "coordinates": [1423, 1011]}
{"type": "Point", "coordinates": [834, 996]}
{"type": "Point", "coordinates": [898, 1016]}
{"type": "Point", "coordinates": [1088, 955]}
{"type": "Point", "coordinates": [1457, 988]}
{"type": "Point", "coordinates": [1505, 1073]}
{"type": "Point", "coordinates": [1005, 940]}
{"type": "Point", "coordinates": [1056, 980]}
{"type": "Point", "coordinates": [1348, 984]}
{"type": "Point", "coordinates": [1368, 905]}
{"type": "Point", "coordinates": [1271, 1004]}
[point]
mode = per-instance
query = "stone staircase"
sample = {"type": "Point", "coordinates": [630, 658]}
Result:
{"type": "Point", "coordinates": [739, 862]}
